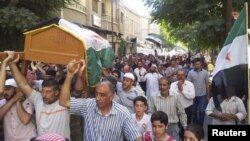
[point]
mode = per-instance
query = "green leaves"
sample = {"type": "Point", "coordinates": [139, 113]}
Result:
{"type": "Point", "coordinates": [199, 23]}
{"type": "Point", "coordinates": [18, 19]}
{"type": "Point", "coordinates": [16, 16]}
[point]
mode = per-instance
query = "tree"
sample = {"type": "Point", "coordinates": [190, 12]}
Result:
{"type": "Point", "coordinates": [198, 23]}
{"type": "Point", "coordinates": [16, 17]}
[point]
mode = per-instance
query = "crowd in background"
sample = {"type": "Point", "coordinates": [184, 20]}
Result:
{"type": "Point", "coordinates": [141, 97]}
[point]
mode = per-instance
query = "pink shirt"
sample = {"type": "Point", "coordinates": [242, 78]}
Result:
{"type": "Point", "coordinates": [14, 129]}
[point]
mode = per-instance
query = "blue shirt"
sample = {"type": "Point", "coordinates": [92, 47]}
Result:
{"type": "Point", "coordinates": [113, 127]}
{"type": "Point", "coordinates": [199, 79]}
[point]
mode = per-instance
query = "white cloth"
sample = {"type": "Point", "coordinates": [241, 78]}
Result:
{"type": "Point", "coordinates": [152, 85]}
{"type": "Point", "coordinates": [144, 124]}
{"type": "Point", "coordinates": [14, 129]}
{"type": "Point", "coordinates": [234, 105]}
{"type": "Point", "coordinates": [140, 72]}
{"type": "Point", "coordinates": [187, 95]}
{"type": "Point", "coordinates": [37, 85]}
{"type": "Point", "coordinates": [50, 118]}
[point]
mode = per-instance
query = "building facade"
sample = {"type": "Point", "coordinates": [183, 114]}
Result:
{"type": "Point", "coordinates": [109, 18]}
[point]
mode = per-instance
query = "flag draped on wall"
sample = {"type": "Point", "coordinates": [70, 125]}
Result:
{"type": "Point", "coordinates": [230, 73]}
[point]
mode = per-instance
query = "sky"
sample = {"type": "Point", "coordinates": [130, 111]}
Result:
{"type": "Point", "coordinates": [137, 6]}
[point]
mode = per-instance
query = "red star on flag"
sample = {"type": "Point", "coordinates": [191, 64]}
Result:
{"type": "Point", "coordinates": [228, 57]}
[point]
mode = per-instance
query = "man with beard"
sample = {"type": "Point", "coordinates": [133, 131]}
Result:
{"type": "Point", "coordinates": [152, 81]}
{"type": "Point", "coordinates": [15, 110]}
{"type": "Point", "coordinates": [50, 116]}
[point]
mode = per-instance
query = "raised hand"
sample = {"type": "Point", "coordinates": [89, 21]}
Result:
{"type": "Point", "coordinates": [17, 59]}
{"type": "Point", "coordinates": [80, 72]}
{"type": "Point", "coordinates": [73, 67]}
{"type": "Point", "coordinates": [180, 87]}
{"type": "Point", "coordinates": [10, 56]}
{"type": "Point", "coordinates": [33, 67]}
{"type": "Point", "coordinates": [19, 96]}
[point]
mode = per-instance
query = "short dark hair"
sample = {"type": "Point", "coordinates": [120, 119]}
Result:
{"type": "Point", "coordinates": [165, 78]}
{"type": "Point", "coordinates": [197, 130]}
{"type": "Point", "coordinates": [197, 60]}
{"type": "Point", "coordinates": [159, 116]}
{"type": "Point", "coordinates": [117, 72]}
{"type": "Point", "coordinates": [142, 99]}
{"type": "Point", "coordinates": [51, 83]}
{"type": "Point", "coordinates": [51, 72]}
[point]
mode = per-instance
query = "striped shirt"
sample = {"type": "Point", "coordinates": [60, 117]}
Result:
{"type": "Point", "coordinates": [113, 127]}
{"type": "Point", "coordinates": [171, 105]}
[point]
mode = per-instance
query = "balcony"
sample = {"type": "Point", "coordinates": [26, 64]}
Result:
{"type": "Point", "coordinates": [78, 7]}
{"type": "Point", "coordinates": [107, 23]}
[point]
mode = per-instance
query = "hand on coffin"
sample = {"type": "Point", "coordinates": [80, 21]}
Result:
{"type": "Point", "coordinates": [73, 67]}
{"type": "Point", "coordinates": [82, 63]}
{"type": "Point", "coordinates": [11, 57]}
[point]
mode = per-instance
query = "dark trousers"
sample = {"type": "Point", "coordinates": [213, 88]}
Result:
{"type": "Point", "coordinates": [188, 111]}
{"type": "Point", "coordinates": [198, 109]}
{"type": "Point", "coordinates": [143, 86]}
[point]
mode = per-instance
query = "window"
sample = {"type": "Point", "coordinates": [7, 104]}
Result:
{"type": "Point", "coordinates": [103, 9]}
{"type": "Point", "coordinates": [122, 17]}
{"type": "Point", "coordinates": [95, 5]}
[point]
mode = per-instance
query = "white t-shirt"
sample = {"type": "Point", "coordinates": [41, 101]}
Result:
{"type": "Point", "coordinates": [50, 118]}
{"type": "Point", "coordinates": [144, 124]}
{"type": "Point", "coordinates": [14, 129]}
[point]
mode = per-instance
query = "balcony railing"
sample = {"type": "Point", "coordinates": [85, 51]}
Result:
{"type": "Point", "coordinates": [79, 7]}
{"type": "Point", "coordinates": [108, 18]}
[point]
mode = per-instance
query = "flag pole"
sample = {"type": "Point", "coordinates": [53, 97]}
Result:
{"type": "Point", "coordinates": [248, 80]}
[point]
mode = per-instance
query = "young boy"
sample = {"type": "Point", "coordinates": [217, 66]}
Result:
{"type": "Point", "coordinates": [140, 117]}
{"type": "Point", "coordinates": [159, 122]}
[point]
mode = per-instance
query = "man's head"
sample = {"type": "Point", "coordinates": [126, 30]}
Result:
{"type": "Point", "coordinates": [128, 81]}
{"type": "Point", "coordinates": [139, 63]}
{"type": "Point", "coordinates": [159, 122]}
{"type": "Point", "coordinates": [194, 132]}
{"type": "Point", "coordinates": [164, 84]}
{"type": "Point", "coordinates": [9, 89]}
{"type": "Point", "coordinates": [181, 75]}
{"type": "Point", "coordinates": [153, 68]}
{"type": "Point", "coordinates": [173, 62]}
{"type": "Point", "coordinates": [104, 94]}
{"type": "Point", "coordinates": [188, 63]}
{"type": "Point", "coordinates": [197, 63]}
{"type": "Point", "coordinates": [50, 91]}
{"type": "Point", "coordinates": [140, 105]}
{"type": "Point", "coordinates": [116, 74]}
{"type": "Point", "coordinates": [126, 68]}
{"type": "Point", "coordinates": [50, 74]}
{"type": "Point", "coordinates": [111, 79]}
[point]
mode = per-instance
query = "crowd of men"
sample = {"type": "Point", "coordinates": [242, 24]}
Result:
{"type": "Point", "coordinates": [142, 97]}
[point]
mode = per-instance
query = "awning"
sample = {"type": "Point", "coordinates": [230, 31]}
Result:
{"type": "Point", "coordinates": [155, 38]}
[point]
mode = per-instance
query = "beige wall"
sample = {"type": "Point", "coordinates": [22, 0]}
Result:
{"type": "Point", "coordinates": [125, 22]}
{"type": "Point", "coordinates": [131, 26]}
{"type": "Point", "coordinates": [77, 12]}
